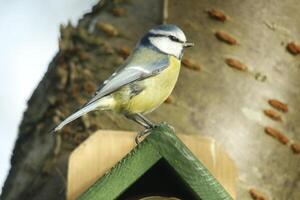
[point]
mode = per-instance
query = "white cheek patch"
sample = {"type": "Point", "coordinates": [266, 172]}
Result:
{"type": "Point", "coordinates": [167, 46]}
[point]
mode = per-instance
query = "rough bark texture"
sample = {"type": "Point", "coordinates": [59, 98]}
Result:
{"type": "Point", "coordinates": [224, 102]}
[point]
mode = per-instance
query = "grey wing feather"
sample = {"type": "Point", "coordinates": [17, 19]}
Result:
{"type": "Point", "coordinates": [136, 68]}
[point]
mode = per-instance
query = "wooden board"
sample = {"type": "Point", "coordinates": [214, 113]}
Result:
{"type": "Point", "coordinates": [105, 148]}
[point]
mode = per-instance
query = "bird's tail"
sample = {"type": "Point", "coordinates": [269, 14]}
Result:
{"type": "Point", "coordinates": [104, 103]}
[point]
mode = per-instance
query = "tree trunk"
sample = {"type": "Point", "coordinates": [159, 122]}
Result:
{"type": "Point", "coordinates": [218, 101]}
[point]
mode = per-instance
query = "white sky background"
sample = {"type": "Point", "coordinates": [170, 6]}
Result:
{"type": "Point", "coordinates": [29, 32]}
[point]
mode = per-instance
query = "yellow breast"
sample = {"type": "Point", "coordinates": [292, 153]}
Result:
{"type": "Point", "coordinates": [157, 89]}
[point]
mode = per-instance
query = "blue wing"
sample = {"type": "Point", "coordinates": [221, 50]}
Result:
{"type": "Point", "coordinates": [140, 65]}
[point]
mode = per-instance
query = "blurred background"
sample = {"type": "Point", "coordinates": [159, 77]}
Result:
{"type": "Point", "coordinates": [29, 32]}
{"type": "Point", "coordinates": [239, 85]}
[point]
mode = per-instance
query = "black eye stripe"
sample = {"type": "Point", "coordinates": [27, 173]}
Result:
{"type": "Point", "coordinates": [175, 39]}
{"type": "Point", "coordinates": [171, 37]}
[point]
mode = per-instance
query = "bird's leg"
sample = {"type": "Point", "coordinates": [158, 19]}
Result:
{"type": "Point", "coordinates": [142, 120]}
{"type": "Point", "coordinates": [147, 130]}
{"type": "Point", "coordinates": [135, 118]}
{"type": "Point", "coordinates": [147, 121]}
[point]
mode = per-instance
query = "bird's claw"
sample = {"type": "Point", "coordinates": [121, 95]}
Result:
{"type": "Point", "coordinates": [144, 132]}
{"type": "Point", "coordinates": [141, 134]}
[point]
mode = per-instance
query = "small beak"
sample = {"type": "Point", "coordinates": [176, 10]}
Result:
{"type": "Point", "coordinates": [188, 44]}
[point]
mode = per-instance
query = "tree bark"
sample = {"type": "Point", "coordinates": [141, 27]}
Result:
{"type": "Point", "coordinates": [218, 101]}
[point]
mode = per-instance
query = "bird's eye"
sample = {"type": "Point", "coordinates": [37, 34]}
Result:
{"type": "Point", "coordinates": [173, 38]}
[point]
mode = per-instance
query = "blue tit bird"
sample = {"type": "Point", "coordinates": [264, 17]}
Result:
{"type": "Point", "coordinates": [144, 81]}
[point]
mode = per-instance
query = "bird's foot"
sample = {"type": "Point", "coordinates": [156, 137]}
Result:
{"type": "Point", "coordinates": [144, 132]}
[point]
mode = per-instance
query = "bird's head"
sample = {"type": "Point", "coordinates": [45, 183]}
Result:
{"type": "Point", "coordinates": [168, 39]}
